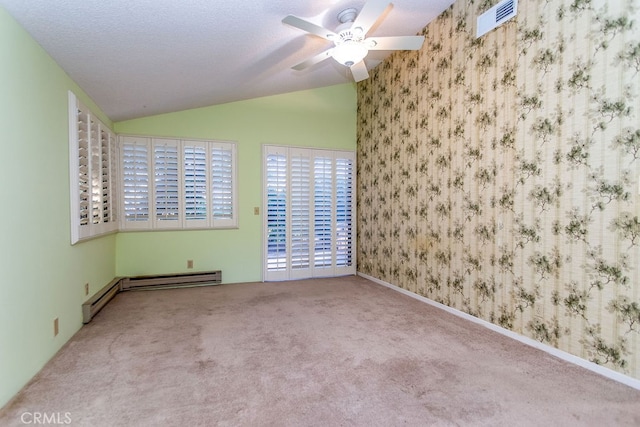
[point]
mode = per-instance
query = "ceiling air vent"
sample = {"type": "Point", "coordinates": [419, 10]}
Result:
{"type": "Point", "coordinates": [495, 16]}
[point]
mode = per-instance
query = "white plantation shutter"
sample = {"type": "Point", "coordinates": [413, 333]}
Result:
{"type": "Point", "coordinates": [103, 181]}
{"type": "Point", "coordinates": [276, 214]}
{"type": "Point", "coordinates": [92, 172]}
{"type": "Point", "coordinates": [146, 183]}
{"type": "Point", "coordinates": [309, 213]}
{"type": "Point", "coordinates": [188, 184]}
{"type": "Point", "coordinates": [84, 185]}
{"type": "Point", "coordinates": [105, 173]}
{"type": "Point", "coordinates": [96, 172]}
{"type": "Point", "coordinates": [345, 211]}
{"type": "Point", "coordinates": [195, 184]}
{"type": "Point", "coordinates": [300, 208]}
{"type": "Point", "coordinates": [223, 184]}
{"type": "Point", "coordinates": [135, 182]}
{"type": "Point", "coordinates": [323, 207]}
{"type": "Point", "coordinates": [113, 181]}
{"type": "Point", "coordinates": [166, 177]}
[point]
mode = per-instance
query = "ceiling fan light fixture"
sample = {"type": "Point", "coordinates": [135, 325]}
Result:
{"type": "Point", "coordinates": [349, 53]}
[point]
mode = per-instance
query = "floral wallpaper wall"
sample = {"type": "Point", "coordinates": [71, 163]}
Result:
{"type": "Point", "coordinates": [500, 175]}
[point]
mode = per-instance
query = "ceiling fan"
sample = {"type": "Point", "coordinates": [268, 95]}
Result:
{"type": "Point", "coordinates": [351, 45]}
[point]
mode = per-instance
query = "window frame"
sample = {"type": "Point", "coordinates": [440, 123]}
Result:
{"type": "Point", "coordinates": [100, 170]}
{"type": "Point", "coordinates": [97, 181]}
{"type": "Point", "coordinates": [278, 178]}
{"type": "Point", "coordinates": [183, 222]}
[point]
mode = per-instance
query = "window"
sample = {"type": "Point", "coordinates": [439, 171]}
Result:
{"type": "Point", "coordinates": [135, 182]}
{"type": "Point", "coordinates": [166, 183]}
{"type": "Point", "coordinates": [93, 161]}
{"type": "Point", "coordinates": [177, 184]}
{"type": "Point", "coordinates": [146, 183]}
{"type": "Point", "coordinates": [309, 224]}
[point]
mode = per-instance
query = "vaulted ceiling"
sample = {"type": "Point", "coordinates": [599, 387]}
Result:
{"type": "Point", "coordinates": [137, 58]}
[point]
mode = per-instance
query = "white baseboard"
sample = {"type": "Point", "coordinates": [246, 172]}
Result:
{"type": "Point", "coordinates": [594, 367]}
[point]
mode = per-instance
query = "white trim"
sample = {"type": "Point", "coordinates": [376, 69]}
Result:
{"type": "Point", "coordinates": [94, 226]}
{"type": "Point", "coordinates": [568, 357]}
{"type": "Point", "coordinates": [73, 168]}
{"type": "Point", "coordinates": [329, 170]}
{"type": "Point", "coordinates": [152, 223]}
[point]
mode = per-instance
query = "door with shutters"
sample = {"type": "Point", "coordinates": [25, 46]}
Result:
{"type": "Point", "coordinates": [309, 221]}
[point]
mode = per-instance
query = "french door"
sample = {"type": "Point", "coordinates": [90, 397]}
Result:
{"type": "Point", "coordinates": [309, 206]}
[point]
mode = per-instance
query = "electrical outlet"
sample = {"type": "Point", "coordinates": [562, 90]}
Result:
{"type": "Point", "coordinates": [189, 263]}
{"type": "Point", "coordinates": [55, 327]}
{"type": "Point", "coordinates": [86, 289]}
{"type": "Point", "coordinates": [256, 211]}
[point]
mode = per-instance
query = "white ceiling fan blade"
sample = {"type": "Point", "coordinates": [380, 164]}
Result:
{"type": "Point", "coordinates": [313, 60]}
{"type": "Point", "coordinates": [395, 43]}
{"type": "Point", "coordinates": [309, 27]}
{"type": "Point", "coordinates": [370, 13]}
{"type": "Point", "coordinates": [359, 71]}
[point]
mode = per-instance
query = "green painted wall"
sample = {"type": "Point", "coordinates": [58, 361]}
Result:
{"type": "Point", "coordinates": [43, 276]}
{"type": "Point", "coordinates": [323, 117]}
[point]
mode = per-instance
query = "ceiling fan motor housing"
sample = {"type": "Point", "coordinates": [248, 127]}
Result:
{"type": "Point", "coordinates": [349, 48]}
{"type": "Point", "coordinates": [350, 34]}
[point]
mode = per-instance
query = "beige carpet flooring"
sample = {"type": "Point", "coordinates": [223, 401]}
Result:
{"type": "Point", "coordinates": [322, 352]}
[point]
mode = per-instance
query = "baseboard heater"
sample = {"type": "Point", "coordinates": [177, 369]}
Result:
{"type": "Point", "coordinates": [171, 280]}
{"type": "Point", "coordinates": [162, 281]}
{"type": "Point", "coordinates": [92, 306]}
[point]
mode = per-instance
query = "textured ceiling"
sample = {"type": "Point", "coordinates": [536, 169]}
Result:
{"type": "Point", "coordinates": [137, 58]}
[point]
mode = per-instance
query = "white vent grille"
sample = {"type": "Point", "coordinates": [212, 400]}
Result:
{"type": "Point", "coordinates": [496, 16]}
{"type": "Point", "coordinates": [504, 11]}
